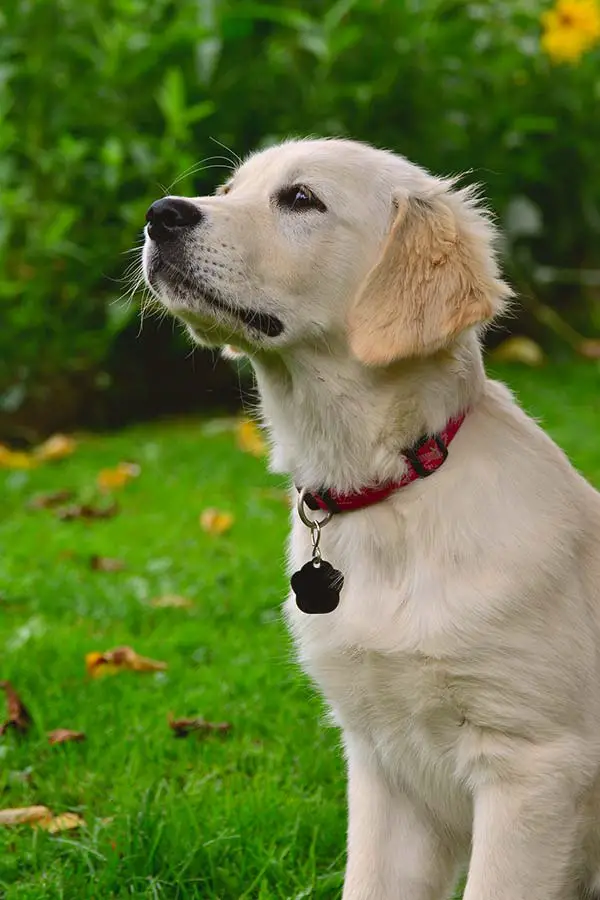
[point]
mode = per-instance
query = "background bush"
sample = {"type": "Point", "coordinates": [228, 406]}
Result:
{"type": "Point", "coordinates": [104, 103]}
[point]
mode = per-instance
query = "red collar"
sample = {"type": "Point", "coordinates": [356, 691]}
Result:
{"type": "Point", "coordinates": [423, 458]}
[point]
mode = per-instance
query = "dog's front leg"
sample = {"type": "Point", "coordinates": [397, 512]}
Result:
{"type": "Point", "coordinates": [525, 839]}
{"type": "Point", "coordinates": [393, 851]}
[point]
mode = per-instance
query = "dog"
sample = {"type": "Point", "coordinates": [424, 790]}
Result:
{"type": "Point", "coordinates": [446, 555]}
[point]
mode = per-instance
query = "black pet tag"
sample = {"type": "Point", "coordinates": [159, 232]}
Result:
{"type": "Point", "coordinates": [317, 587]}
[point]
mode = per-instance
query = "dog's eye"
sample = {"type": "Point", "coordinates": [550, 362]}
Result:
{"type": "Point", "coordinates": [298, 198]}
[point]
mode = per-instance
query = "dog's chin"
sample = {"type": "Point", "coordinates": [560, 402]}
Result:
{"type": "Point", "coordinates": [208, 313]}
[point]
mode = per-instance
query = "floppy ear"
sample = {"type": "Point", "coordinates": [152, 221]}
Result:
{"type": "Point", "coordinates": [436, 276]}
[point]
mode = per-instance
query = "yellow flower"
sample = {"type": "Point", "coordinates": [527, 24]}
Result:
{"type": "Point", "coordinates": [570, 29]}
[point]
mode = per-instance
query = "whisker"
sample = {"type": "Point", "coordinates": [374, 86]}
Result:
{"type": "Point", "coordinates": [237, 158]}
{"type": "Point", "coordinates": [198, 166]}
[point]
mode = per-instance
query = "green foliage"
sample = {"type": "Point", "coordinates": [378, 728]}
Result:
{"type": "Point", "coordinates": [104, 103]}
{"type": "Point", "coordinates": [259, 814]}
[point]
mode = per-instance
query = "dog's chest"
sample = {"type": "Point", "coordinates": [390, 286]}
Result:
{"type": "Point", "coordinates": [385, 662]}
{"type": "Point", "coordinates": [405, 706]}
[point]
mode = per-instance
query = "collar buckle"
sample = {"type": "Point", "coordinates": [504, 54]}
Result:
{"type": "Point", "coordinates": [426, 465]}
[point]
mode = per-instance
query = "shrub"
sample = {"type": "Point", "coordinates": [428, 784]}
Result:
{"type": "Point", "coordinates": [105, 103]}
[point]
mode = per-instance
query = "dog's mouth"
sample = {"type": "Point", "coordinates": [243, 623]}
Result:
{"type": "Point", "coordinates": [261, 322]}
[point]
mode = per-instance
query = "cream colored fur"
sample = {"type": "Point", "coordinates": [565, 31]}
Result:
{"type": "Point", "coordinates": [463, 662]}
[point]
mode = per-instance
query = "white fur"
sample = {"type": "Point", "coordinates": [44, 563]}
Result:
{"type": "Point", "coordinates": [463, 663]}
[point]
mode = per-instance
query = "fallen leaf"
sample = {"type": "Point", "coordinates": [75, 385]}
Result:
{"type": "Point", "coordinates": [26, 815]}
{"type": "Point", "coordinates": [19, 716]}
{"type": "Point", "coordinates": [110, 479]}
{"type": "Point", "coordinates": [171, 600]}
{"type": "Point", "coordinates": [213, 521]}
{"type": "Point", "coordinates": [113, 661]}
{"type": "Point", "coordinates": [15, 459]}
{"type": "Point", "coordinates": [519, 349]}
{"type": "Point", "coordinates": [47, 501]}
{"type": "Point", "coordinates": [183, 727]}
{"type": "Point", "coordinates": [86, 511]}
{"type": "Point", "coordinates": [590, 349]}
{"type": "Point", "coordinates": [56, 447]}
{"type": "Point", "coordinates": [64, 736]}
{"type": "Point", "coordinates": [41, 817]}
{"type": "Point", "coordinates": [63, 822]}
{"type": "Point", "coordinates": [249, 438]}
{"type": "Point", "coordinates": [106, 564]}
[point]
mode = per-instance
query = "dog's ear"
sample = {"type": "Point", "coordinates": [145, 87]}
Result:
{"type": "Point", "coordinates": [436, 276]}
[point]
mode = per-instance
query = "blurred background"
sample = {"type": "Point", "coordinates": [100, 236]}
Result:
{"type": "Point", "coordinates": [105, 103]}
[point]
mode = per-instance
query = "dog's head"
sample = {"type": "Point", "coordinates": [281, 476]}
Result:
{"type": "Point", "coordinates": [321, 240]}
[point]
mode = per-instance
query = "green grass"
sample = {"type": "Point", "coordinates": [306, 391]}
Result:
{"type": "Point", "coordinates": [256, 814]}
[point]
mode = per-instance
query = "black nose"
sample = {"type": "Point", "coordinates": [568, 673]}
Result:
{"type": "Point", "coordinates": [166, 218]}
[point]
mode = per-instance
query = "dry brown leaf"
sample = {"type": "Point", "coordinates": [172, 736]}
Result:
{"type": "Point", "coordinates": [106, 564]}
{"type": "Point", "coordinates": [54, 498]}
{"type": "Point", "coordinates": [213, 521]}
{"type": "Point", "coordinates": [183, 727]}
{"type": "Point", "coordinates": [122, 474]}
{"type": "Point", "coordinates": [19, 716]}
{"type": "Point", "coordinates": [590, 348]}
{"type": "Point", "coordinates": [15, 459]}
{"type": "Point", "coordinates": [172, 601]}
{"type": "Point", "coordinates": [56, 447]}
{"type": "Point", "coordinates": [249, 438]}
{"type": "Point", "coordinates": [25, 815]}
{"type": "Point", "coordinates": [65, 736]}
{"type": "Point", "coordinates": [113, 661]}
{"type": "Point", "coordinates": [86, 511]}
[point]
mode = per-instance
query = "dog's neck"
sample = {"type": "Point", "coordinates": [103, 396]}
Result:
{"type": "Point", "coordinates": [335, 424]}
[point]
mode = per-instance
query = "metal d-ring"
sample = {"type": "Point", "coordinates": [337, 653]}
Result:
{"type": "Point", "coordinates": [310, 523]}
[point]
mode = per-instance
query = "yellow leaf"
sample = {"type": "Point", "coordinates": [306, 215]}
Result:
{"type": "Point", "coordinates": [171, 600]}
{"type": "Point", "coordinates": [113, 661]}
{"type": "Point", "coordinates": [15, 459]}
{"type": "Point", "coordinates": [249, 438]}
{"type": "Point", "coordinates": [519, 349]}
{"type": "Point", "coordinates": [215, 522]}
{"type": "Point", "coordinates": [40, 817]}
{"type": "Point", "coordinates": [63, 822]}
{"type": "Point", "coordinates": [109, 479]}
{"type": "Point", "coordinates": [97, 665]}
{"type": "Point", "coordinates": [26, 815]}
{"type": "Point", "coordinates": [56, 447]}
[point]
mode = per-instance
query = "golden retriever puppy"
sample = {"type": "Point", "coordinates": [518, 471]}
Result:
{"type": "Point", "coordinates": [445, 555]}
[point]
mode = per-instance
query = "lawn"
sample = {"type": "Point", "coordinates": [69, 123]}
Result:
{"type": "Point", "coordinates": [254, 813]}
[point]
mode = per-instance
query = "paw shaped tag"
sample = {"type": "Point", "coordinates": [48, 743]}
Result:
{"type": "Point", "coordinates": [317, 587]}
